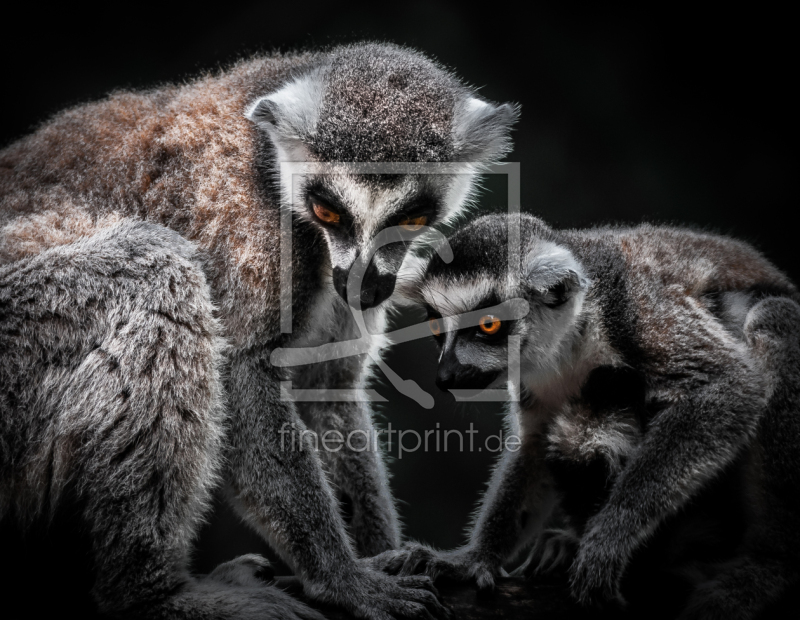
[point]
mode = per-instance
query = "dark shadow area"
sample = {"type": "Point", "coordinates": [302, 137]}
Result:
{"type": "Point", "coordinates": [47, 569]}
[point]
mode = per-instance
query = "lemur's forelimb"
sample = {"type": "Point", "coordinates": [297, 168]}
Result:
{"type": "Point", "coordinates": [518, 500]}
{"type": "Point", "coordinates": [347, 440]}
{"type": "Point", "coordinates": [714, 396]}
{"type": "Point", "coordinates": [279, 476]}
{"type": "Point", "coordinates": [768, 564]}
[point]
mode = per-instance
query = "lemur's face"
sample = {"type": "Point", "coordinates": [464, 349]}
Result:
{"type": "Point", "coordinates": [471, 329]}
{"type": "Point", "coordinates": [376, 105]}
{"type": "Point", "coordinates": [477, 320]}
{"type": "Point", "coordinates": [369, 224]}
{"type": "Point", "coordinates": [474, 323]}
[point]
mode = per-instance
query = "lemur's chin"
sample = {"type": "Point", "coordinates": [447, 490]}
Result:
{"type": "Point", "coordinates": [472, 379]}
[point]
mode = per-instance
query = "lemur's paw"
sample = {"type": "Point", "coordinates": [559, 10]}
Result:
{"type": "Point", "coordinates": [595, 577]}
{"type": "Point", "coordinates": [374, 595]}
{"type": "Point", "coordinates": [402, 561]}
{"type": "Point", "coordinates": [463, 564]}
{"type": "Point", "coordinates": [554, 551]}
{"type": "Point", "coordinates": [246, 570]}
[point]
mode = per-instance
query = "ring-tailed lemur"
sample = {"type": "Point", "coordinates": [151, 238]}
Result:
{"type": "Point", "coordinates": [140, 250]}
{"type": "Point", "coordinates": [659, 367]}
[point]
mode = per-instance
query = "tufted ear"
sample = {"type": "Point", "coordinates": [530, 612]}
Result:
{"type": "Point", "coordinates": [553, 274]}
{"type": "Point", "coordinates": [565, 289]}
{"type": "Point", "coordinates": [481, 130]}
{"type": "Point", "coordinates": [290, 114]}
{"type": "Point", "coordinates": [262, 113]}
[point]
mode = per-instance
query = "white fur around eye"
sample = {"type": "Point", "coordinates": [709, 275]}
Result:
{"type": "Point", "coordinates": [450, 298]}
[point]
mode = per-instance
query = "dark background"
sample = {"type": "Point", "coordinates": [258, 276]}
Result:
{"type": "Point", "coordinates": [666, 115]}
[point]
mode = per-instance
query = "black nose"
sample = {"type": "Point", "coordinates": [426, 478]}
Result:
{"type": "Point", "coordinates": [373, 289]}
{"type": "Point", "coordinates": [383, 289]}
{"type": "Point", "coordinates": [445, 380]}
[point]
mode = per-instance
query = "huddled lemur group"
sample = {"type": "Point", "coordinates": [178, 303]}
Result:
{"type": "Point", "coordinates": [157, 247]}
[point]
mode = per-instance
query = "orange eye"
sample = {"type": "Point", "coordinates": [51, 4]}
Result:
{"type": "Point", "coordinates": [414, 223]}
{"type": "Point", "coordinates": [489, 324]}
{"type": "Point", "coordinates": [325, 214]}
{"type": "Point", "coordinates": [436, 326]}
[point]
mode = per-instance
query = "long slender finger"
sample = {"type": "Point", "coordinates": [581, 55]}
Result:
{"type": "Point", "coordinates": [432, 604]}
{"type": "Point", "coordinates": [420, 582]}
{"type": "Point", "coordinates": [415, 558]}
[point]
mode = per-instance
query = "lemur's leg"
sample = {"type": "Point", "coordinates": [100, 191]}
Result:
{"type": "Point", "coordinates": [770, 558]}
{"type": "Point", "coordinates": [278, 485]}
{"type": "Point", "coordinates": [110, 357]}
{"type": "Point", "coordinates": [713, 396]}
{"type": "Point", "coordinates": [517, 502]}
{"type": "Point", "coordinates": [355, 465]}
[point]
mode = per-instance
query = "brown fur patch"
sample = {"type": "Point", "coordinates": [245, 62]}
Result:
{"type": "Point", "coordinates": [179, 156]}
{"type": "Point", "coordinates": [30, 234]}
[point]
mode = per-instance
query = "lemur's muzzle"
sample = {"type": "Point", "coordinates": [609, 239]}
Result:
{"type": "Point", "coordinates": [370, 290]}
{"type": "Point", "coordinates": [452, 375]}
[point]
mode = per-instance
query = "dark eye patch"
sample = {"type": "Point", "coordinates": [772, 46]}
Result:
{"type": "Point", "coordinates": [419, 206]}
{"type": "Point", "coordinates": [474, 332]}
{"type": "Point", "coordinates": [430, 312]}
{"type": "Point", "coordinates": [432, 315]}
{"type": "Point", "coordinates": [317, 192]}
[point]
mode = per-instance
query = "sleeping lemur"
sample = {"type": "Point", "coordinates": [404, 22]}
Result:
{"type": "Point", "coordinates": [660, 378]}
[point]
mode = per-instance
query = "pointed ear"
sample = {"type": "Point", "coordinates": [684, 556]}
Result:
{"type": "Point", "coordinates": [553, 274]}
{"type": "Point", "coordinates": [262, 113]}
{"type": "Point", "coordinates": [564, 289]}
{"type": "Point", "coordinates": [481, 130]}
{"type": "Point", "coordinates": [290, 114]}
